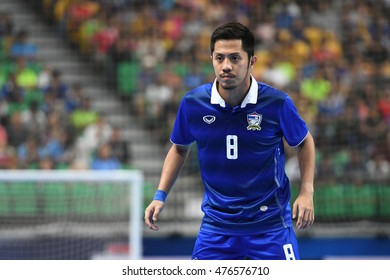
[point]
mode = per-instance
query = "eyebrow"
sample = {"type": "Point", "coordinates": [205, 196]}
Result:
{"type": "Point", "coordinates": [234, 53]}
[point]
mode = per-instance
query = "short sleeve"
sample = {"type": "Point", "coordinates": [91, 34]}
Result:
{"type": "Point", "coordinates": [293, 127]}
{"type": "Point", "coordinates": [181, 133]}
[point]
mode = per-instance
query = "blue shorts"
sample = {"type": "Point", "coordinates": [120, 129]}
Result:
{"type": "Point", "coordinates": [275, 245]}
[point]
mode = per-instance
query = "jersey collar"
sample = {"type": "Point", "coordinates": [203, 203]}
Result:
{"type": "Point", "coordinates": [250, 98]}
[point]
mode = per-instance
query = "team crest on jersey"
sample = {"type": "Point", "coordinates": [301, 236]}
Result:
{"type": "Point", "coordinates": [254, 120]}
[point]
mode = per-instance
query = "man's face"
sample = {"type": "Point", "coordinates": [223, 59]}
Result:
{"type": "Point", "coordinates": [231, 65]}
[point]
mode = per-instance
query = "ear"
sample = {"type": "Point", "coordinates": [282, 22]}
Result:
{"type": "Point", "coordinates": [252, 61]}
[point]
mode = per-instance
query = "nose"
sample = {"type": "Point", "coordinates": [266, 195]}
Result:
{"type": "Point", "coordinates": [226, 66]}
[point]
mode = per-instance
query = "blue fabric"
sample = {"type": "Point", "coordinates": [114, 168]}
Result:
{"type": "Point", "coordinates": [276, 245]}
{"type": "Point", "coordinates": [23, 49]}
{"type": "Point", "coordinates": [160, 195]}
{"type": "Point", "coordinates": [53, 148]}
{"type": "Point", "coordinates": [241, 158]}
{"type": "Point", "coordinates": [105, 164]}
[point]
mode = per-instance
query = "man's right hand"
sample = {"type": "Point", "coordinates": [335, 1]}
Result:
{"type": "Point", "coordinates": [152, 212]}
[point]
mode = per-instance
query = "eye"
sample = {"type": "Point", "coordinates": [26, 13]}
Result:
{"type": "Point", "coordinates": [219, 58]}
{"type": "Point", "coordinates": [235, 58]}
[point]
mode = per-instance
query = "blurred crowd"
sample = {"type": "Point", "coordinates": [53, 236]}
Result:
{"type": "Point", "coordinates": [46, 123]}
{"type": "Point", "coordinates": [332, 57]}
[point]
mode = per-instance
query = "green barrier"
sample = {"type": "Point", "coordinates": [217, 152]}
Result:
{"type": "Point", "coordinates": [23, 199]}
{"type": "Point", "coordinates": [113, 200]}
{"type": "Point", "coordinates": [384, 202]}
{"type": "Point", "coordinates": [329, 203]}
{"type": "Point", "coordinates": [361, 202]}
{"type": "Point", "coordinates": [4, 200]}
{"type": "Point", "coordinates": [83, 200]}
{"type": "Point", "coordinates": [55, 199]}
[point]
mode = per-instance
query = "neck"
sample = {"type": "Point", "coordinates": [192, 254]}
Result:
{"type": "Point", "coordinates": [234, 97]}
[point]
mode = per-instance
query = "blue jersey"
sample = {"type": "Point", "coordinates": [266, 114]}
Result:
{"type": "Point", "coordinates": [241, 156]}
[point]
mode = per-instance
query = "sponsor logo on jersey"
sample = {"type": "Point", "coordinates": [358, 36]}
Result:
{"type": "Point", "coordinates": [254, 120]}
{"type": "Point", "coordinates": [209, 119]}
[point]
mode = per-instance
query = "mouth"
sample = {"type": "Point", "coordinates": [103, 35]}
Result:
{"type": "Point", "coordinates": [226, 77]}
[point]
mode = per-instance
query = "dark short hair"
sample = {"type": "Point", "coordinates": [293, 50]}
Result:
{"type": "Point", "coordinates": [234, 31]}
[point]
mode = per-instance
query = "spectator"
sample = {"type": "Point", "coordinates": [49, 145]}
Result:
{"type": "Point", "coordinates": [51, 104]}
{"type": "Point", "coordinates": [105, 38]}
{"type": "Point", "coordinates": [348, 126]}
{"type": "Point", "coordinates": [34, 119]}
{"type": "Point", "coordinates": [56, 86]}
{"type": "Point", "coordinates": [326, 172]}
{"type": "Point", "coordinates": [44, 77]}
{"type": "Point", "coordinates": [57, 119]}
{"type": "Point", "coordinates": [376, 53]}
{"type": "Point", "coordinates": [150, 50]}
{"type": "Point", "coordinates": [94, 135]}
{"type": "Point", "coordinates": [325, 17]}
{"type": "Point", "coordinates": [6, 152]}
{"type": "Point", "coordinates": [378, 168]}
{"type": "Point", "coordinates": [87, 30]}
{"type": "Point", "coordinates": [283, 18]}
{"type": "Point", "coordinates": [265, 31]}
{"type": "Point", "coordinates": [104, 160]}
{"type": "Point", "coordinates": [157, 95]}
{"type": "Point", "coordinates": [316, 88]}
{"type": "Point", "coordinates": [119, 147]}
{"type": "Point", "coordinates": [17, 131]}
{"type": "Point", "coordinates": [6, 25]}
{"type": "Point", "coordinates": [334, 105]}
{"type": "Point", "coordinates": [26, 77]}
{"type": "Point", "coordinates": [278, 73]}
{"type": "Point", "coordinates": [53, 146]}
{"type": "Point", "coordinates": [373, 128]}
{"type": "Point", "coordinates": [74, 98]}
{"type": "Point", "coordinates": [384, 104]}
{"type": "Point", "coordinates": [83, 116]}
{"type": "Point", "coordinates": [28, 154]}
{"type": "Point", "coordinates": [194, 77]}
{"type": "Point", "coordinates": [355, 171]}
{"type": "Point", "coordinates": [22, 48]}
{"type": "Point", "coordinates": [76, 13]}
{"type": "Point", "coordinates": [12, 95]}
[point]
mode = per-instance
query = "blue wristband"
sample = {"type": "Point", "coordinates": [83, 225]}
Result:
{"type": "Point", "coordinates": [160, 195]}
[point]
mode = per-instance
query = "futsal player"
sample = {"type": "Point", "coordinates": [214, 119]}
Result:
{"type": "Point", "coordinates": [239, 125]}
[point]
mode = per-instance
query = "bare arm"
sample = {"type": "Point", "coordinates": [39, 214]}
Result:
{"type": "Point", "coordinates": [303, 207]}
{"type": "Point", "coordinates": [173, 163]}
